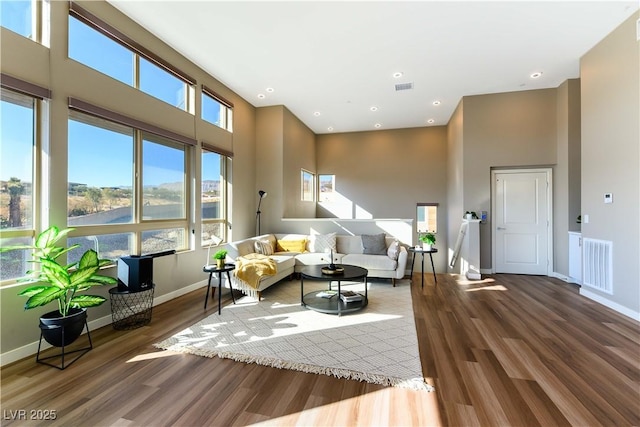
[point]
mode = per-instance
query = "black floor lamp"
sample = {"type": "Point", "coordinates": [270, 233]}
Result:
{"type": "Point", "coordinates": [262, 194]}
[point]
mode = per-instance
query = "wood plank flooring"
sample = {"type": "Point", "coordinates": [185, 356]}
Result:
{"type": "Point", "coordinates": [509, 350]}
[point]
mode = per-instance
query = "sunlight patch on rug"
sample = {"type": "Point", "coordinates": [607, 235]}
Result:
{"type": "Point", "coordinates": [377, 345]}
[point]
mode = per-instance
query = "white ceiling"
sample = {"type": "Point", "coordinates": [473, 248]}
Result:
{"type": "Point", "coordinates": [338, 58]}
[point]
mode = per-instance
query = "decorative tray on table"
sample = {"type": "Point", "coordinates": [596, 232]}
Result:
{"type": "Point", "coordinates": [332, 269]}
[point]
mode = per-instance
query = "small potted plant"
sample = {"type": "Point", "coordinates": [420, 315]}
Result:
{"type": "Point", "coordinates": [428, 240]}
{"type": "Point", "coordinates": [63, 284]}
{"type": "Point", "coordinates": [220, 258]}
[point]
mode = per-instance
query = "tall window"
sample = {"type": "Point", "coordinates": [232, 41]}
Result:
{"type": "Point", "coordinates": [163, 179]}
{"type": "Point", "coordinates": [157, 82]}
{"type": "Point", "coordinates": [307, 185]}
{"type": "Point", "coordinates": [18, 16]}
{"type": "Point", "coordinates": [99, 192]}
{"type": "Point", "coordinates": [326, 187]}
{"type": "Point", "coordinates": [107, 55]}
{"type": "Point", "coordinates": [214, 196]}
{"type": "Point", "coordinates": [112, 211]}
{"type": "Point", "coordinates": [216, 110]}
{"type": "Point", "coordinates": [17, 164]}
{"type": "Point", "coordinates": [427, 218]}
{"type": "Point", "coordinates": [99, 52]}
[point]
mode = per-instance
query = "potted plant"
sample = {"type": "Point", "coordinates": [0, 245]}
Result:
{"type": "Point", "coordinates": [62, 284]}
{"type": "Point", "coordinates": [220, 258]}
{"type": "Point", "coordinates": [428, 240]}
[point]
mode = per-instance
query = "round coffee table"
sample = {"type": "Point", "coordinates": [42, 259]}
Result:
{"type": "Point", "coordinates": [332, 304]}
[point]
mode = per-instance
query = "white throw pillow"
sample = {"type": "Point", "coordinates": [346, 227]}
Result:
{"type": "Point", "coordinates": [394, 250]}
{"type": "Point", "coordinates": [323, 242]}
{"type": "Point", "coordinates": [263, 247]}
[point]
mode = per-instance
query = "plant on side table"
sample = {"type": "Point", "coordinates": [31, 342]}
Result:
{"type": "Point", "coordinates": [220, 258]}
{"type": "Point", "coordinates": [428, 240]}
{"type": "Point", "coordinates": [63, 284]}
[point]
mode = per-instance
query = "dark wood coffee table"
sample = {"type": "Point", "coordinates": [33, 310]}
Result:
{"type": "Point", "coordinates": [333, 305]}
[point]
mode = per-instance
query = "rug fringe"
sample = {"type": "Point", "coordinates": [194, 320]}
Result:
{"type": "Point", "coordinates": [413, 384]}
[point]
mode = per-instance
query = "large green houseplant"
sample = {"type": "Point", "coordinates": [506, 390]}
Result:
{"type": "Point", "coordinates": [62, 283]}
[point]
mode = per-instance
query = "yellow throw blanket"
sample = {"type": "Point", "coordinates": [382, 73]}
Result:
{"type": "Point", "coordinates": [251, 268]}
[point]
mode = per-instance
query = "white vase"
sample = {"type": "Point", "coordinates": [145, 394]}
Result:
{"type": "Point", "coordinates": [426, 247]}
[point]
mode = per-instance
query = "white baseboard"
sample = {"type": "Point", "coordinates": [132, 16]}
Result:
{"type": "Point", "coordinates": [611, 304]}
{"type": "Point", "coordinates": [565, 278]}
{"type": "Point", "coordinates": [32, 348]}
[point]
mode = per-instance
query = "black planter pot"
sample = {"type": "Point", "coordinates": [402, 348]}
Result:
{"type": "Point", "coordinates": [61, 331]}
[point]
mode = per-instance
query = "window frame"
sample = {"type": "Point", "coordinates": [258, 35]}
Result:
{"type": "Point", "coordinates": [39, 25]}
{"type": "Point", "coordinates": [92, 21]}
{"type": "Point", "coordinates": [227, 116]}
{"type": "Point", "coordinates": [39, 97]}
{"type": "Point", "coordinates": [223, 220]}
{"type": "Point", "coordinates": [311, 186]}
{"type": "Point", "coordinates": [139, 225]}
{"type": "Point", "coordinates": [319, 191]}
{"type": "Point", "coordinates": [426, 206]}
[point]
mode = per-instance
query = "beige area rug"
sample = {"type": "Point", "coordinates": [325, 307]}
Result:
{"type": "Point", "coordinates": [377, 344]}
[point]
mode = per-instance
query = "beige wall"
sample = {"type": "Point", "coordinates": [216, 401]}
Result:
{"type": "Point", "coordinates": [299, 152]}
{"type": "Point", "coordinates": [455, 180]}
{"type": "Point", "coordinates": [51, 68]}
{"type": "Point", "coordinates": [383, 174]}
{"type": "Point", "coordinates": [566, 179]}
{"type": "Point", "coordinates": [610, 77]}
{"type": "Point", "coordinates": [503, 130]}
{"type": "Point", "coordinates": [269, 166]}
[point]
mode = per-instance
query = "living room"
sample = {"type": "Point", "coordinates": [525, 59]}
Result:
{"type": "Point", "coordinates": [585, 130]}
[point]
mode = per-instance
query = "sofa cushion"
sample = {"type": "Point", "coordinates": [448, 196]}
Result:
{"type": "Point", "coordinates": [283, 261]}
{"type": "Point", "coordinates": [323, 243]}
{"type": "Point", "coordinates": [349, 244]}
{"type": "Point", "coordinates": [394, 250]}
{"type": "Point", "coordinates": [263, 247]}
{"type": "Point", "coordinates": [374, 244]}
{"type": "Point", "coordinates": [285, 245]}
{"type": "Point", "coordinates": [370, 262]}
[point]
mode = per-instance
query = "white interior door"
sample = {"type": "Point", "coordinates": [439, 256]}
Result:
{"type": "Point", "coordinates": [522, 221]}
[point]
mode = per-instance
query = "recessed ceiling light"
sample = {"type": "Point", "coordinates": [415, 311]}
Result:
{"type": "Point", "coordinates": [317, 113]}
{"type": "Point", "coordinates": [261, 96]}
{"type": "Point", "coordinates": [374, 108]}
{"type": "Point", "coordinates": [330, 128]}
{"type": "Point", "coordinates": [269, 89]}
{"type": "Point", "coordinates": [436, 102]}
{"type": "Point", "coordinates": [397, 75]}
{"type": "Point", "coordinates": [377, 125]}
{"type": "Point", "coordinates": [536, 74]}
{"type": "Point", "coordinates": [431, 121]}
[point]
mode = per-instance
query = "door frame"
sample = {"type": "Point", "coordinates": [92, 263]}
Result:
{"type": "Point", "coordinates": [549, 173]}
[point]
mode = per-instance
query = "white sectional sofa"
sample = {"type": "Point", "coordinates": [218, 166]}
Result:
{"type": "Point", "coordinates": [292, 252]}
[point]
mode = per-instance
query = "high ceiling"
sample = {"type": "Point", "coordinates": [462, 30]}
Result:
{"type": "Point", "coordinates": [331, 62]}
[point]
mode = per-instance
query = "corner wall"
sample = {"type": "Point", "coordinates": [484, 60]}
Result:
{"type": "Point", "coordinates": [610, 81]}
{"type": "Point", "coordinates": [504, 130]}
{"type": "Point", "coordinates": [566, 179]}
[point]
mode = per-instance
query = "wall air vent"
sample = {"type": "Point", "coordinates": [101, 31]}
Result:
{"type": "Point", "coordinates": [404, 86]}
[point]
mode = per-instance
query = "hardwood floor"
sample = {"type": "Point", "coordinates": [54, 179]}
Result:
{"type": "Point", "coordinates": [510, 350]}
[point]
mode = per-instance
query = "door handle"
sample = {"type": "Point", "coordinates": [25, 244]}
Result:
{"type": "Point", "coordinates": [501, 228]}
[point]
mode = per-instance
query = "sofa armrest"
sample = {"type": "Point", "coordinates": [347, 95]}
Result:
{"type": "Point", "coordinates": [403, 257]}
